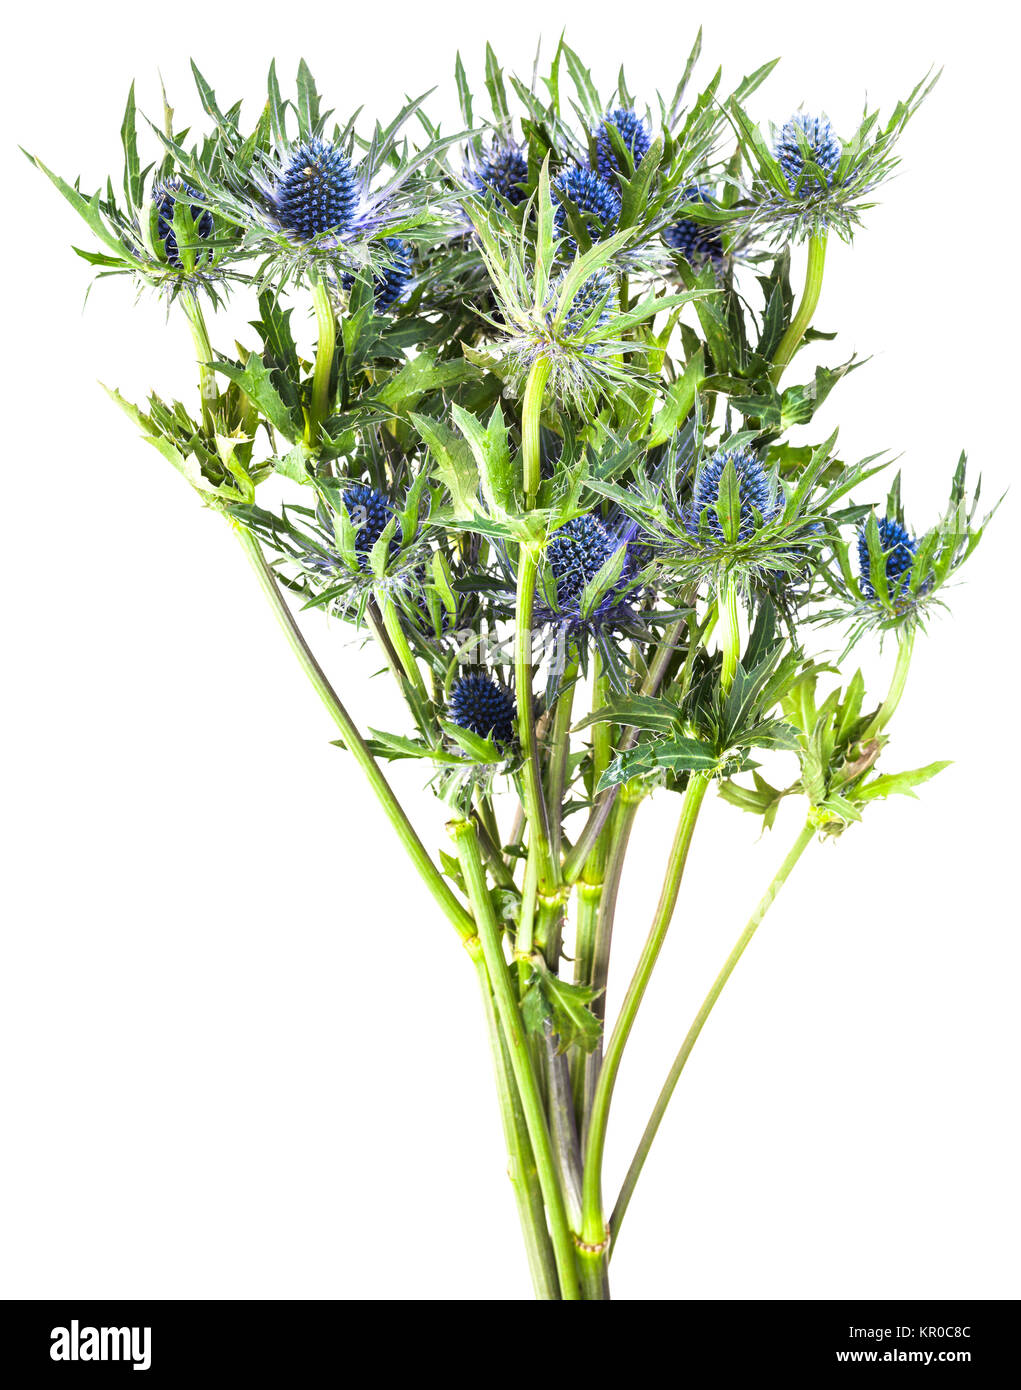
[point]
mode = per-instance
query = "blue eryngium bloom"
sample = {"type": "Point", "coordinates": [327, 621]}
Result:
{"type": "Point", "coordinates": [370, 512]}
{"type": "Point", "coordinates": [824, 148]}
{"type": "Point", "coordinates": [899, 555]}
{"type": "Point", "coordinates": [317, 191]}
{"type": "Point", "coordinates": [502, 169]}
{"type": "Point", "coordinates": [696, 241]}
{"type": "Point", "coordinates": [757, 500]}
{"type": "Point", "coordinates": [575, 554]}
{"type": "Point", "coordinates": [633, 131]}
{"type": "Point", "coordinates": [164, 196]}
{"type": "Point", "coordinates": [480, 705]}
{"type": "Point", "coordinates": [390, 281]}
{"type": "Point", "coordinates": [597, 202]}
{"type": "Point", "coordinates": [594, 294]}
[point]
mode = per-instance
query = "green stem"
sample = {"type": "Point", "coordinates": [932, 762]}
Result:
{"type": "Point", "coordinates": [598, 965]}
{"type": "Point", "coordinates": [560, 748]}
{"type": "Point", "coordinates": [730, 641]}
{"type": "Point", "coordinates": [768, 898]}
{"type": "Point", "coordinates": [326, 325]}
{"type": "Point", "coordinates": [399, 640]}
{"type": "Point", "coordinates": [534, 802]}
{"type": "Point", "coordinates": [354, 742]}
{"type": "Point", "coordinates": [593, 1227]}
{"type": "Point", "coordinates": [203, 355]}
{"type": "Point", "coordinates": [531, 416]}
{"type": "Point", "coordinates": [888, 708]}
{"type": "Point", "coordinates": [806, 309]}
{"type": "Point", "coordinates": [521, 1167]}
{"type": "Point", "coordinates": [463, 833]}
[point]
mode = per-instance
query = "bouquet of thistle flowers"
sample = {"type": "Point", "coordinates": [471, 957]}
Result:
{"type": "Point", "coordinates": [540, 456]}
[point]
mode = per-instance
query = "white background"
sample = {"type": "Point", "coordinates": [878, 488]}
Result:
{"type": "Point", "coordinates": [241, 1054]}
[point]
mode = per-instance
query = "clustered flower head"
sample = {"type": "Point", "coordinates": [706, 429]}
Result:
{"type": "Point", "coordinates": [634, 133]}
{"type": "Point", "coordinates": [597, 201]}
{"type": "Point", "coordinates": [391, 280]}
{"type": "Point", "coordinates": [482, 706]}
{"type": "Point", "coordinates": [696, 241]}
{"type": "Point", "coordinates": [824, 148]}
{"type": "Point", "coordinates": [898, 551]}
{"type": "Point", "coordinates": [317, 191]}
{"type": "Point", "coordinates": [757, 497]}
{"type": "Point", "coordinates": [164, 197]}
{"type": "Point", "coordinates": [502, 169]}
{"type": "Point", "coordinates": [370, 513]}
{"type": "Point", "coordinates": [575, 553]}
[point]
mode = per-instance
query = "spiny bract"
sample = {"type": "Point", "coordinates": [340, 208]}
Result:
{"type": "Point", "coordinates": [823, 145]}
{"type": "Point", "coordinates": [317, 191]}
{"type": "Point", "coordinates": [757, 497]}
{"type": "Point", "coordinates": [899, 551]}
{"type": "Point", "coordinates": [480, 705]}
{"type": "Point", "coordinates": [633, 131]}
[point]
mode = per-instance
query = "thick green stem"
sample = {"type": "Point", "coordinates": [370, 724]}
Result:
{"type": "Point", "coordinates": [463, 833]}
{"type": "Point", "coordinates": [805, 311]}
{"type": "Point", "coordinates": [208, 390]}
{"type": "Point", "coordinates": [398, 638]}
{"type": "Point", "coordinates": [597, 964]}
{"type": "Point", "coordinates": [730, 637]}
{"type": "Point", "coordinates": [560, 748]}
{"type": "Point", "coordinates": [547, 872]}
{"type": "Point", "coordinates": [888, 708]}
{"type": "Point", "coordinates": [521, 1167]}
{"type": "Point", "coordinates": [642, 1153]}
{"type": "Point", "coordinates": [354, 742]}
{"type": "Point", "coordinates": [593, 1225]}
{"type": "Point", "coordinates": [531, 416]}
{"type": "Point", "coordinates": [326, 326]}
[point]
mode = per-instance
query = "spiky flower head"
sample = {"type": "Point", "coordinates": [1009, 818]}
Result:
{"type": "Point", "coordinates": [824, 148]}
{"type": "Point", "coordinates": [370, 512]}
{"type": "Point", "coordinates": [589, 306]}
{"type": "Point", "coordinates": [483, 707]}
{"type": "Point", "coordinates": [596, 201]}
{"type": "Point", "coordinates": [696, 241]}
{"type": "Point", "coordinates": [164, 197]}
{"type": "Point", "coordinates": [758, 503]}
{"type": "Point", "coordinates": [634, 133]}
{"type": "Point", "coordinates": [502, 169]}
{"type": "Point", "coordinates": [317, 191]}
{"type": "Point", "coordinates": [392, 279]}
{"type": "Point", "coordinates": [575, 554]}
{"type": "Point", "coordinates": [898, 556]}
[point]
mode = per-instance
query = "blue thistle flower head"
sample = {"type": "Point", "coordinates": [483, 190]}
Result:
{"type": "Point", "coordinates": [899, 552]}
{"type": "Point", "coordinates": [696, 241]}
{"type": "Point", "coordinates": [596, 290]}
{"type": "Point", "coordinates": [391, 280]}
{"type": "Point", "coordinates": [575, 553]}
{"type": "Point", "coordinates": [597, 201]}
{"type": "Point", "coordinates": [164, 196]}
{"type": "Point", "coordinates": [633, 131]}
{"type": "Point", "coordinates": [370, 512]}
{"type": "Point", "coordinates": [758, 502]}
{"type": "Point", "coordinates": [316, 192]}
{"type": "Point", "coordinates": [503, 169]}
{"type": "Point", "coordinates": [480, 705]}
{"type": "Point", "coordinates": [824, 147]}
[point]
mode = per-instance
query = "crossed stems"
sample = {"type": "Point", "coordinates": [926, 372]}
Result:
{"type": "Point", "coordinates": [568, 1251]}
